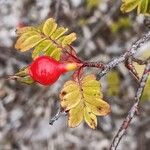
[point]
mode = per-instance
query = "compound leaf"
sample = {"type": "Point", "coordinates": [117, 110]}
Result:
{"type": "Point", "coordinates": [46, 39]}
{"type": "Point", "coordinates": [85, 96]}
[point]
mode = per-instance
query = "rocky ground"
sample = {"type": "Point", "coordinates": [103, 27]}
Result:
{"type": "Point", "coordinates": [25, 110]}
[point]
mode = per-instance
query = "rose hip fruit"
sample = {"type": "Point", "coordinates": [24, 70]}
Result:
{"type": "Point", "coordinates": [47, 70]}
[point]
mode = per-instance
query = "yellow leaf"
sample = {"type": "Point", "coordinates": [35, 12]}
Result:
{"type": "Point", "coordinates": [46, 39]}
{"type": "Point", "coordinates": [90, 118]}
{"type": "Point", "coordinates": [49, 26]}
{"type": "Point", "coordinates": [69, 39]}
{"type": "Point", "coordinates": [85, 95]}
{"type": "Point", "coordinates": [59, 32]}
{"type": "Point", "coordinates": [91, 91]}
{"type": "Point", "coordinates": [30, 42]}
{"type": "Point", "coordinates": [23, 30]}
{"type": "Point", "coordinates": [70, 95]}
{"type": "Point", "coordinates": [75, 115]}
{"type": "Point", "coordinates": [24, 37]}
{"type": "Point", "coordinates": [100, 109]}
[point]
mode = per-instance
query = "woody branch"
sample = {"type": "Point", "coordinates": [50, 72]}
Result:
{"type": "Point", "coordinates": [133, 109]}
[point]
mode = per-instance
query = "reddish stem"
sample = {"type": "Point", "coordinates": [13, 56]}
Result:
{"type": "Point", "coordinates": [94, 64]}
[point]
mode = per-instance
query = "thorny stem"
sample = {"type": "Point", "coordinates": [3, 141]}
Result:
{"type": "Point", "coordinates": [132, 111]}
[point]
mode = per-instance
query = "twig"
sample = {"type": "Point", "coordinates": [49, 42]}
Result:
{"type": "Point", "coordinates": [112, 64]}
{"type": "Point", "coordinates": [132, 111]}
{"type": "Point", "coordinates": [57, 116]}
{"type": "Point", "coordinates": [100, 65]}
{"type": "Point", "coordinates": [122, 58]}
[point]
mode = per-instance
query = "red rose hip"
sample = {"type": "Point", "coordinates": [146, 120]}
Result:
{"type": "Point", "coordinates": [47, 70]}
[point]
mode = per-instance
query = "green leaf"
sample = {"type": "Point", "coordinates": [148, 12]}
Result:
{"type": "Point", "coordinates": [26, 80]}
{"type": "Point", "coordinates": [142, 7]}
{"type": "Point", "coordinates": [23, 76]}
{"type": "Point", "coordinates": [41, 48]}
{"type": "Point", "coordinates": [56, 53]}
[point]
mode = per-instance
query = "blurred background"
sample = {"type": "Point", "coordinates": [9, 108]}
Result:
{"type": "Point", "coordinates": [103, 33]}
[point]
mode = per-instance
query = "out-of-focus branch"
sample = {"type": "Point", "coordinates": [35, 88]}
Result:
{"type": "Point", "coordinates": [105, 19]}
{"type": "Point", "coordinates": [133, 110]}
{"type": "Point", "coordinates": [58, 3]}
{"type": "Point", "coordinates": [126, 55]}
